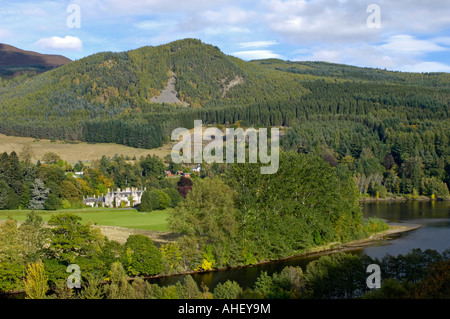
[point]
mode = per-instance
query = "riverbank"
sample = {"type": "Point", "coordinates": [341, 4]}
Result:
{"type": "Point", "coordinates": [400, 199]}
{"type": "Point", "coordinates": [314, 252]}
{"type": "Point", "coordinates": [327, 249]}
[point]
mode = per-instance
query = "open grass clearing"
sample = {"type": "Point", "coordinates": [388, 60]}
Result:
{"type": "Point", "coordinates": [73, 152]}
{"type": "Point", "coordinates": [124, 218]}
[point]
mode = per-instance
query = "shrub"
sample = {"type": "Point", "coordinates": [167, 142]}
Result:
{"type": "Point", "coordinates": [184, 186]}
{"type": "Point", "coordinates": [339, 275]}
{"type": "Point", "coordinates": [36, 281]}
{"type": "Point", "coordinates": [191, 290]}
{"type": "Point", "coordinates": [374, 225]}
{"type": "Point", "coordinates": [227, 290]}
{"type": "Point", "coordinates": [154, 199]}
{"type": "Point", "coordinates": [264, 284]}
{"type": "Point", "coordinates": [65, 204]}
{"type": "Point", "coordinates": [390, 289]}
{"type": "Point", "coordinates": [141, 257]}
{"type": "Point", "coordinates": [437, 283]}
{"type": "Point", "coordinates": [174, 195]}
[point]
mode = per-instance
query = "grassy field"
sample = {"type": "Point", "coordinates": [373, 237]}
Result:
{"type": "Point", "coordinates": [128, 218]}
{"type": "Point", "coordinates": [73, 152]}
{"type": "Point", "coordinates": [76, 151]}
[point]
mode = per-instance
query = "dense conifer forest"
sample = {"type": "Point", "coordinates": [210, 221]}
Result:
{"type": "Point", "coordinates": [390, 129]}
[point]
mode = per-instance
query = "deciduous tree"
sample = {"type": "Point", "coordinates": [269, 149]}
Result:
{"type": "Point", "coordinates": [36, 281]}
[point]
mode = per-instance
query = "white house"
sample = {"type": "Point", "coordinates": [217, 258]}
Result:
{"type": "Point", "coordinates": [131, 196]}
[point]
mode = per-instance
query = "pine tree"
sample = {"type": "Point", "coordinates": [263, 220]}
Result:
{"type": "Point", "coordinates": [119, 288]}
{"type": "Point", "coordinates": [25, 197]}
{"type": "Point", "coordinates": [39, 194]}
{"type": "Point", "coordinates": [191, 290]}
{"type": "Point", "coordinates": [92, 289]}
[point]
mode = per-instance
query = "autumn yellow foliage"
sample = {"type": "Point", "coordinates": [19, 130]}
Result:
{"type": "Point", "coordinates": [36, 281]}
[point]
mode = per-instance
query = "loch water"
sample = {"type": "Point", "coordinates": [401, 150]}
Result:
{"type": "Point", "coordinates": [434, 233]}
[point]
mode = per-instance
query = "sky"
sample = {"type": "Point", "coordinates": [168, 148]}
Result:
{"type": "Point", "coordinates": [398, 35]}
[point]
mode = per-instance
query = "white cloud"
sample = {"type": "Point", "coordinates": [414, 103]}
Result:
{"type": "Point", "coordinates": [407, 44]}
{"type": "Point", "coordinates": [66, 43]}
{"type": "Point", "coordinates": [222, 18]}
{"type": "Point", "coordinates": [415, 15]}
{"type": "Point", "coordinates": [149, 25]}
{"type": "Point", "coordinates": [442, 40]}
{"type": "Point", "coordinates": [413, 33]}
{"type": "Point", "coordinates": [257, 44]}
{"type": "Point", "coordinates": [228, 15]}
{"type": "Point", "coordinates": [399, 53]}
{"type": "Point", "coordinates": [324, 55]}
{"type": "Point", "coordinates": [426, 67]}
{"type": "Point", "coordinates": [304, 22]}
{"type": "Point", "coordinates": [212, 31]}
{"type": "Point", "coordinates": [116, 8]}
{"type": "Point", "coordinates": [256, 55]}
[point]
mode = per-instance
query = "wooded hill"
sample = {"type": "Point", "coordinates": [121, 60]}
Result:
{"type": "Point", "coordinates": [388, 118]}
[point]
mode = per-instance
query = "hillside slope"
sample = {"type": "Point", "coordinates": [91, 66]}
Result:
{"type": "Point", "coordinates": [113, 97]}
{"type": "Point", "coordinates": [12, 56]}
{"type": "Point", "coordinates": [14, 61]}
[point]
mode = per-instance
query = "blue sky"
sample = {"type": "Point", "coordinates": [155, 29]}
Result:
{"type": "Point", "coordinates": [411, 36]}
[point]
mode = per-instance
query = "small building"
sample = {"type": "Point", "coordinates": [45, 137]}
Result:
{"type": "Point", "coordinates": [178, 173]}
{"type": "Point", "coordinates": [196, 169]}
{"type": "Point", "coordinates": [130, 196]}
{"type": "Point", "coordinates": [78, 174]}
{"type": "Point", "coordinates": [94, 201]}
{"type": "Point", "coordinates": [181, 173]}
{"type": "Point", "coordinates": [168, 174]}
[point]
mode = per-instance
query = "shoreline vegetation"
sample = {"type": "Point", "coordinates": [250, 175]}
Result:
{"type": "Point", "coordinates": [119, 234]}
{"type": "Point", "coordinates": [322, 250]}
{"type": "Point", "coordinates": [401, 199]}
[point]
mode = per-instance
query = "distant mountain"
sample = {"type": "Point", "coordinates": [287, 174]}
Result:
{"type": "Point", "coordinates": [15, 61]}
{"type": "Point", "coordinates": [137, 97]}
{"type": "Point", "coordinates": [12, 56]}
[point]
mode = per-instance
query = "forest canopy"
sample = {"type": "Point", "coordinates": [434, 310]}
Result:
{"type": "Point", "coordinates": [390, 129]}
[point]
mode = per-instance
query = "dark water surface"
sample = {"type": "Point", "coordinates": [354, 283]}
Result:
{"type": "Point", "coordinates": [433, 216]}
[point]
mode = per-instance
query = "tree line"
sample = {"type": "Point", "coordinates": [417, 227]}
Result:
{"type": "Point", "coordinates": [237, 217]}
{"type": "Point", "coordinates": [35, 259]}
{"type": "Point", "coordinates": [51, 183]}
{"type": "Point", "coordinates": [234, 218]}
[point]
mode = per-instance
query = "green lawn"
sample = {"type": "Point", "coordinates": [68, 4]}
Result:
{"type": "Point", "coordinates": [128, 218]}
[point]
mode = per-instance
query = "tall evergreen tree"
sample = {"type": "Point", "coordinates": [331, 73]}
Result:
{"type": "Point", "coordinates": [39, 195]}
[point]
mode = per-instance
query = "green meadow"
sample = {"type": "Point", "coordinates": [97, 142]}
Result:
{"type": "Point", "coordinates": [128, 218]}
